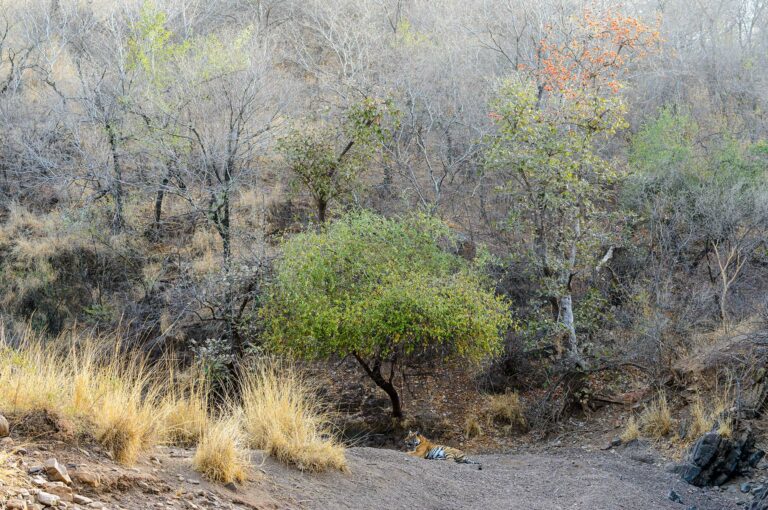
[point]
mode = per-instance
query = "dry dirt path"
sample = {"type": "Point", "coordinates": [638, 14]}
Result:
{"type": "Point", "coordinates": [569, 479]}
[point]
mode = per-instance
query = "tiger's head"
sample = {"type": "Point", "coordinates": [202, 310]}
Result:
{"type": "Point", "coordinates": [413, 439]}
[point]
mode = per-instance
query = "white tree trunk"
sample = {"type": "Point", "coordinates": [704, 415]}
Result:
{"type": "Point", "coordinates": [566, 317]}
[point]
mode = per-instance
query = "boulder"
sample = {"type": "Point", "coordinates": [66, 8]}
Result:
{"type": "Point", "coordinates": [57, 472]}
{"type": "Point", "coordinates": [46, 499]}
{"type": "Point", "coordinates": [87, 478]}
{"type": "Point", "coordinates": [714, 459]}
{"type": "Point", "coordinates": [5, 429]}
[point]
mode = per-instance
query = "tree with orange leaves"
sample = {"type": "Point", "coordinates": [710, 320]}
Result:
{"type": "Point", "coordinates": [548, 119]}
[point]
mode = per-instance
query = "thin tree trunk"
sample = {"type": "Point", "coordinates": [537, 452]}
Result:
{"type": "Point", "coordinates": [322, 208]}
{"type": "Point", "coordinates": [374, 372]}
{"type": "Point", "coordinates": [159, 202]}
{"type": "Point", "coordinates": [117, 187]}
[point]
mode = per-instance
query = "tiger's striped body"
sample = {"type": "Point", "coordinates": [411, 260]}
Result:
{"type": "Point", "coordinates": [423, 448]}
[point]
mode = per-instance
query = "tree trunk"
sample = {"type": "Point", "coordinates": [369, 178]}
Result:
{"type": "Point", "coordinates": [566, 309]}
{"type": "Point", "coordinates": [374, 372]}
{"type": "Point", "coordinates": [159, 202]}
{"type": "Point", "coordinates": [117, 187]}
{"type": "Point", "coordinates": [322, 208]}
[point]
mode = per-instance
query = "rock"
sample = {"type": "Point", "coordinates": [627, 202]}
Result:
{"type": "Point", "coordinates": [86, 478]}
{"type": "Point", "coordinates": [644, 458]}
{"type": "Point", "coordinates": [616, 442]}
{"type": "Point", "coordinates": [760, 499]}
{"type": "Point", "coordinates": [674, 496]}
{"type": "Point", "coordinates": [713, 459]}
{"type": "Point", "coordinates": [59, 489]}
{"type": "Point", "coordinates": [57, 472]}
{"type": "Point", "coordinates": [81, 500]}
{"type": "Point", "coordinates": [16, 504]}
{"type": "Point", "coordinates": [46, 499]}
{"type": "Point", "coordinates": [35, 470]}
{"type": "Point", "coordinates": [5, 429]}
{"type": "Point", "coordinates": [6, 443]}
{"type": "Point", "coordinates": [38, 481]}
{"type": "Point", "coordinates": [745, 487]}
{"type": "Point", "coordinates": [231, 486]}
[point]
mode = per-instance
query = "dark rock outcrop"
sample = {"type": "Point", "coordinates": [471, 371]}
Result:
{"type": "Point", "coordinates": [714, 459]}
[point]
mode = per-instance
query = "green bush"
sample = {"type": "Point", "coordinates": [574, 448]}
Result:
{"type": "Point", "coordinates": [385, 292]}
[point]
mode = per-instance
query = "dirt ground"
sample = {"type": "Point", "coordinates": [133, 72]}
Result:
{"type": "Point", "coordinates": [550, 477]}
{"type": "Point", "coordinates": [570, 479]}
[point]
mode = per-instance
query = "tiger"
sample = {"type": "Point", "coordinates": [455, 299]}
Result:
{"type": "Point", "coordinates": [420, 446]}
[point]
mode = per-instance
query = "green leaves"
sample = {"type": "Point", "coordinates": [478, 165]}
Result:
{"type": "Point", "coordinates": [326, 161]}
{"type": "Point", "coordinates": [381, 288]}
{"type": "Point", "coordinates": [559, 186]}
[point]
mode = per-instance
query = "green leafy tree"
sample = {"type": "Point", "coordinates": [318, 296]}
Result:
{"type": "Point", "coordinates": [327, 161]}
{"type": "Point", "coordinates": [559, 185]}
{"type": "Point", "coordinates": [383, 291]}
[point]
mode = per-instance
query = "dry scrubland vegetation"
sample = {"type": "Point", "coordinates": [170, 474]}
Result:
{"type": "Point", "coordinates": [565, 201]}
{"type": "Point", "coordinates": [129, 406]}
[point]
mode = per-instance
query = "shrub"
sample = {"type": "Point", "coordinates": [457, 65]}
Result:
{"type": "Point", "coordinates": [284, 418]}
{"type": "Point", "coordinates": [220, 455]}
{"type": "Point", "coordinates": [384, 292]}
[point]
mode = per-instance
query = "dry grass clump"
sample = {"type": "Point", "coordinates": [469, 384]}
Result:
{"type": "Point", "coordinates": [716, 418]}
{"type": "Point", "coordinates": [700, 421]}
{"type": "Point", "coordinates": [656, 420]}
{"type": "Point", "coordinates": [220, 455]}
{"type": "Point", "coordinates": [283, 417]}
{"type": "Point", "coordinates": [126, 417]}
{"type": "Point", "coordinates": [118, 402]}
{"type": "Point", "coordinates": [472, 428]}
{"type": "Point", "coordinates": [507, 409]}
{"type": "Point", "coordinates": [631, 430]}
{"type": "Point", "coordinates": [185, 414]}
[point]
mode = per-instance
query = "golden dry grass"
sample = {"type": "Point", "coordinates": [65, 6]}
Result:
{"type": "Point", "coordinates": [508, 410]}
{"type": "Point", "coordinates": [631, 430]}
{"type": "Point", "coordinates": [472, 427]}
{"type": "Point", "coordinates": [283, 417]}
{"type": "Point", "coordinates": [185, 412]}
{"type": "Point", "coordinates": [700, 420]}
{"type": "Point", "coordinates": [130, 406]}
{"type": "Point", "coordinates": [117, 402]}
{"type": "Point", "coordinates": [220, 455]}
{"type": "Point", "coordinates": [656, 420]}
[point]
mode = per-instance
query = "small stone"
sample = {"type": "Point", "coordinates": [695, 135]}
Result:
{"type": "Point", "coordinates": [35, 470]}
{"type": "Point", "coordinates": [616, 442]}
{"type": "Point", "coordinates": [48, 499]}
{"type": "Point", "coordinates": [16, 504]}
{"type": "Point", "coordinates": [86, 478]}
{"type": "Point", "coordinates": [5, 429]}
{"type": "Point", "coordinates": [81, 500]}
{"type": "Point", "coordinates": [59, 489]}
{"type": "Point", "coordinates": [674, 496]}
{"type": "Point", "coordinates": [57, 472]}
{"type": "Point", "coordinates": [231, 486]}
{"type": "Point", "coordinates": [38, 481]}
{"type": "Point", "coordinates": [6, 443]}
{"type": "Point", "coordinates": [745, 487]}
